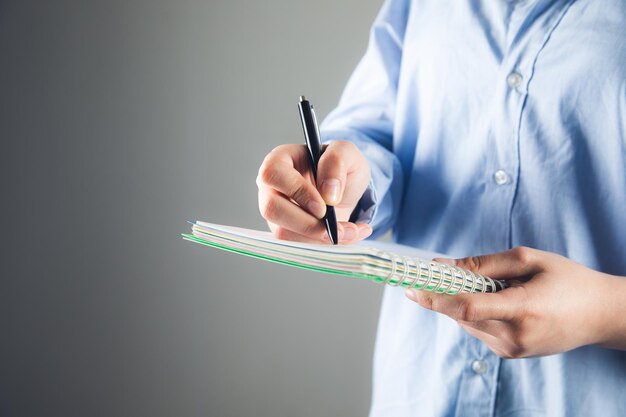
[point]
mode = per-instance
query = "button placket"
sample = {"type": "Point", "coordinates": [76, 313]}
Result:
{"type": "Point", "coordinates": [514, 79]}
{"type": "Point", "coordinates": [479, 366]}
{"type": "Point", "coordinates": [501, 177]}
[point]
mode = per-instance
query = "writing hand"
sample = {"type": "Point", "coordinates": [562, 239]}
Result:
{"type": "Point", "coordinates": [553, 305]}
{"type": "Point", "coordinates": [289, 199]}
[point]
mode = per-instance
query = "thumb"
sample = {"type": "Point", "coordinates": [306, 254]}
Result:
{"type": "Point", "coordinates": [518, 262]}
{"type": "Point", "coordinates": [338, 160]}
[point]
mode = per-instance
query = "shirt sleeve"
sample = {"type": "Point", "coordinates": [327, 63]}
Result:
{"type": "Point", "coordinates": [365, 116]}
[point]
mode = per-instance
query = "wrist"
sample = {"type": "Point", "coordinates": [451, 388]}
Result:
{"type": "Point", "coordinates": [612, 300]}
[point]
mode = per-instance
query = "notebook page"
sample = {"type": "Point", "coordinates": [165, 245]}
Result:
{"type": "Point", "coordinates": [360, 247]}
{"type": "Point", "coordinates": [264, 236]}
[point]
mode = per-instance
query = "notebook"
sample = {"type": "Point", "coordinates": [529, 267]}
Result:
{"type": "Point", "coordinates": [379, 262]}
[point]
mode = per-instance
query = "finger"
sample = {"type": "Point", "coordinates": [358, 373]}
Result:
{"type": "Point", "coordinates": [365, 231]}
{"type": "Point", "coordinates": [336, 162]}
{"type": "Point", "coordinates": [514, 263]}
{"type": "Point", "coordinates": [286, 234]}
{"type": "Point", "coordinates": [471, 307]}
{"type": "Point", "coordinates": [294, 155]}
{"type": "Point", "coordinates": [278, 209]}
{"type": "Point", "coordinates": [278, 172]}
{"type": "Point", "coordinates": [351, 232]}
{"type": "Point", "coordinates": [496, 328]}
{"type": "Point", "coordinates": [348, 233]}
{"type": "Point", "coordinates": [498, 346]}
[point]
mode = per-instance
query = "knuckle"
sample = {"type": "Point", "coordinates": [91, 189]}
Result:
{"type": "Point", "coordinates": [313, 231]}
{"type": "Point", "coordinates": [267, 172]}
{"type": "Point", "coordinates": [262, 177]}
{"type": "Point", "coordinates": [299, 192]}
{"type": "Point", "coordinates": [336, 152]}
{"type": "Point", "coordinates": [504, 354]}
{"type": "Point", "coordinates": [426, 301]}
{"type": "Point", "coordinates": [280, 149]}
{"type": "Point", "coordinates": [287, 152]}
{"type": "Point", "coordinates": [345, 146]}
{"type": "Point", "coordinates": [332, 158]}
{"type": "Point", "coordinates": [476, 262]}
{"type": "Point", "coordinates": [465, 311]}
{"type": "Point", "coordinates": [523, 254]}
{"type": "Point", "coordinates": [281, 233]}
{"type": "Point", "coordinates": [473, 263]}
{"type": "Point", "coordinates": [516, 342]}
{"type": "Point", "coordinates": [518, 338]}
{"type": "Point", "coordinates": [513, 352]}
{"type": "Point", "coordinates": [269, 208]}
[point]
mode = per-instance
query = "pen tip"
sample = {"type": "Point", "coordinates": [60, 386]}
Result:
{"type": "Point", "coordinates": [302, 98]}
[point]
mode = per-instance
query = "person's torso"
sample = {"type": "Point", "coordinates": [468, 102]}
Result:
{"type": "Point", "coordinates": [510, 126]}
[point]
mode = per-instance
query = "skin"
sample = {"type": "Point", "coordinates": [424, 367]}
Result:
{"type": "Point", "coordinates": [289, 199]}
{"type": "Point", "coordinates": [553, 304]}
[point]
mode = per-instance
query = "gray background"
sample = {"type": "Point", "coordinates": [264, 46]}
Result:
{"type": "Point", "coordinates": [120, 120]}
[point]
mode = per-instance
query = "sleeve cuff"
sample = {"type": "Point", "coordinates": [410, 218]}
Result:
{"type": "Point", "coordinates": [366, 208]}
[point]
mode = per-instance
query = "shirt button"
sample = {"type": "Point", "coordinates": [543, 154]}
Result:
{"type": "Point", "coordinates": [479, 366]}
{"type": "Point", "coordinates": [514, 80]}
{"type": "Point", "coordinates": [500, 177]}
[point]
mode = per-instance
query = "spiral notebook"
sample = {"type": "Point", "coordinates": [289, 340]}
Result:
{"type": "Point", "coordinates": [379, 262]}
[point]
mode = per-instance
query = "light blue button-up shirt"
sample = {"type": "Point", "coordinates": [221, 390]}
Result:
{"type": "Point", "coordinates": [492, 124]}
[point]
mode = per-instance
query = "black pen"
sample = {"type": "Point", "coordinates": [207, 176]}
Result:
{"type": "Point", "coordinates": [314, 144]}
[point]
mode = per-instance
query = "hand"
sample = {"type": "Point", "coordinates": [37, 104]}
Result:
{"type": "Point", "coordinates": [289, 199]}
{"type": "Point", "coordinates": [553, 305]}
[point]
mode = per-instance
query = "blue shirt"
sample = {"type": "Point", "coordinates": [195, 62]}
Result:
{"type": "Point", "coordinates": [492, 124]}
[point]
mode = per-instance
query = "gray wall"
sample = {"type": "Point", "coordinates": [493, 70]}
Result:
{"type": "Point", "coordinates": [120, 120]}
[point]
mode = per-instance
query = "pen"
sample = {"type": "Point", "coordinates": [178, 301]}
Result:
{"type": "Point", "coordinates": [314, 145]}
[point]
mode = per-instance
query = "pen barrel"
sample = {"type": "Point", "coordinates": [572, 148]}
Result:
{"type": "Point", "coordinates": [311, 134]}
{"type": "Point", "coordinates": [314, 145]}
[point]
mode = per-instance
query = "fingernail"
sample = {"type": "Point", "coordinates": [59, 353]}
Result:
{"type": "Point", "coordinates": [315, 209]}
{"type": "Point", "coordinates": [445, 261]}
{"type": "Point", "coordinates": [349, 234]}
{"type": "Point", "coordinates": [330, 190]}
{"type": "Point", "coordinates": [364, 232]}
{"type": "Point", "coordinates": [411, 294]}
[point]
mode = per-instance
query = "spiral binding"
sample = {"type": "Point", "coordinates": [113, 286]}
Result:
{"type": "Point", "coordinates": [435, 276]}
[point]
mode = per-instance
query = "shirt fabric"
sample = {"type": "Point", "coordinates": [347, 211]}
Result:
{"type": "Point", "coordinates": [488, 125]}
